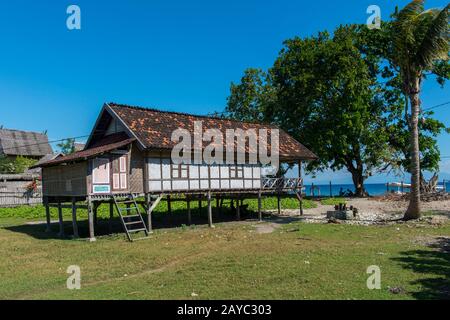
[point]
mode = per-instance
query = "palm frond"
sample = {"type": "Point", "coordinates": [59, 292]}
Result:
{"type": "Point", "coordinates": [411, 10]}
{"type": "Point", "coordinates": [435, 44]}
{"type": "Point", "coordinates": [405, 27]}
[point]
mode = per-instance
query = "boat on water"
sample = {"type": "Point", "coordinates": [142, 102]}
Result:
{"type": "Point", "coordinates": [399, 187]}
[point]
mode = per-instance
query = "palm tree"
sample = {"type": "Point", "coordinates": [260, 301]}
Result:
{"type": "Point", "coordinates": [420, 38]}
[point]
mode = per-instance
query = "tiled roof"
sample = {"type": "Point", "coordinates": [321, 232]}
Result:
{"type": "Point", "coordinates": [154, 128]}
{"type": "Point", "coordinates": [24, 143]}
{"type": "Point", "coordinates": [106, 144]}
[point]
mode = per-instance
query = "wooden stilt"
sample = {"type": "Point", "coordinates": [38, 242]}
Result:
{"type": "Point", "coordinates": [95, 207]}
{"type": "Point", "coordinates": [74, 218]}
{"type": "Point", "coordinates": [61, 221]}
{"type": "Point", "coordinates": [217, 206]}
{"type": "Point", "coordinates": [200, 206]}
{"type": "Point", "coordinates": [91, 220]}
{"type": "Point", "coordinates": [188, 204]}
{"type": "Point", "coordinates": [210, 221]}
{"type": "Point", "coordinates": [47, 215]}
{"type": "Point", "coordinates": [259, 207]}
{"type": "Point", "coordinates": [149, 214]}
{"type": "Point", "coordinates": [169, 205]}
{"type": "Point", "coordinates": [238, 210]}
{"type": "Point", "coordinates": [300, 194]}
{"type": "Point", "coordinates": [111, 216]}
{"type": "Point", "coordinates": [279, 203]}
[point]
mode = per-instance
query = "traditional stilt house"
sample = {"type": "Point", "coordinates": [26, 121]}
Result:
{"type": "Point", "coordinates": [129, 157]}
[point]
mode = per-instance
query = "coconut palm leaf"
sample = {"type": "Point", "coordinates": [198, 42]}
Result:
{"type": "Point", "coordinates": [434, 45]}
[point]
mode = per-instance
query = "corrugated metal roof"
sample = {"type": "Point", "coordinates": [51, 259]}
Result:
{"type": "Point", "coordinates": [24, 143]}
{"type": "Point", "coordinates": [106, 144]}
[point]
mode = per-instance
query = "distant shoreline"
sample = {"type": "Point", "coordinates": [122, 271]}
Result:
{"type": "Point", "coordinates": [374, 189]}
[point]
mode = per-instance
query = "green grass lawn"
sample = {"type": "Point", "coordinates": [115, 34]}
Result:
{"type": "Point", "coordinates": [231, 261]}
{"type": "Point", "coordinates": [332, 201]}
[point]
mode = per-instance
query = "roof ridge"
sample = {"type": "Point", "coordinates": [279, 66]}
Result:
{"type": "Point", "coordinates": [26, 131]}
{"type": "Point", "coordinates": [121, 105]}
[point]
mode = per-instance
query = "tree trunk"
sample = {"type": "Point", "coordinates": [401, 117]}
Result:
{"type": "Point", "coordinates": [358, 182]}
{"type": "Point", "coordinates": [413, 211]}
{"type": "Point", "coordinates": [357, 177]}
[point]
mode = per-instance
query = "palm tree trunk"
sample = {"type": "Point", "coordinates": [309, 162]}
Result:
{"type": "Point", "coordinates": [413, 211]}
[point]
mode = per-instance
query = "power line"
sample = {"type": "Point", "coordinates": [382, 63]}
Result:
{"type": "Point", "coordinates": [426, 109]}
{"type": "Point", "coordinates": [437, 106]}
{"type": "Point", "coordinates": [47, 142]}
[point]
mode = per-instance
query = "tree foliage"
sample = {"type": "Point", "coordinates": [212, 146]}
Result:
{"type": "Point", "coordinates": [343, 97]}
{"type": "Point", "coordinates": [67, 146]}
{"type": "Point", "coordinates": [15, 165]}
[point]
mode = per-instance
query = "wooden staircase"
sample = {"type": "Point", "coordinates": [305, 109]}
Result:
{"type": "Point", "coordinates": [130, 216]}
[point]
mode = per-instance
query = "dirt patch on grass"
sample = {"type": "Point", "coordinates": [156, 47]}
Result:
{"type": "Point", "coordinates": [373, 211]}
{"type": "Point", "coordinates": [264, 228]}
{"type": "Point", "coordinates": [440, 243]}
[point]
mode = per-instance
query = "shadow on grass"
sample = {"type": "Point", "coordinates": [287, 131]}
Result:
{"type": "Point", "coordinates": [160, 220]}
{"type": "Point", "coordinates": [435, 263]}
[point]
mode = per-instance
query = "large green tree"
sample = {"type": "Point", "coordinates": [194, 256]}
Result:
{"type": "Point", "coordinates": [376, 46]}
{"type": "Point", "coordinates": [419, 41]}
{"type": "Point", "coordinates": [324, 92]}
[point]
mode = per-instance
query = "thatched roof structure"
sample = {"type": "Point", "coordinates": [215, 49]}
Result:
{"type": "Point", "coordinates": [24, 143]}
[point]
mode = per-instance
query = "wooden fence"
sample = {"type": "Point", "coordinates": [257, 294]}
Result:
{"type": "Point", "coordinates": [18, 198]}
{"type": "Point", "coordinates": [14, 191]}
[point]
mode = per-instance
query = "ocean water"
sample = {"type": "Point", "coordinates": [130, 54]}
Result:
{"type": "Point", "coordinates": [374, 189]}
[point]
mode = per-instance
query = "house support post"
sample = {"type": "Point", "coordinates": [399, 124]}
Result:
{"type": "Point", "coordinates": [259, 207]}
{"type": "Point", "coordinates": [300, 194]}
{"type": "Point", "coordinates": [95, 207]}
{"type": "Point", "coordinates": [91, 220]}
{"type": "Point", "coordinates": [111, 216]}
{"type": "Point", "coordinates": [169, 205]}
{"type": "Point", "coordinates": [210, 221]}
{"type": "Point", "coordinates": [200, 205]}
{"type": "Point", "coordinates": [221, 206]}
{"type": "Point", "coordinates": [238, 210]}
{"type": "Point", "coordinates": [47, 215]}
{"type": "Point", "coordinates": [279, 203]}
{"type": "Point", "coordinates": [149, 213]}
{"type": "Point", "coordinates": [74, 219]}
{"type": "Point", "coordinates": [217, 206]}
{"type": "Point", "coordinates": [61, 221]}
{"type": "Point", "coordinates": [189, 216]}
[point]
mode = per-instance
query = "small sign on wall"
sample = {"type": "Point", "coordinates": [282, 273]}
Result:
{"type": "Point", "coordinates": [101, 189]}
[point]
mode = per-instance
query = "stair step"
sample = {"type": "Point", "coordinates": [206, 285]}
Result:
{"type": "Point", "coordinates": [133, 222]}
{"type": "Point", "coordinates": [126, 222]}
{"type": "Point", "coordinates": [137, 230]}
{"type": "Point", "coordinates": [128, 209]}
{"type": "Point", "coordinates": [141, 238]}
{"type": "Point", "coordinates": [132, 216]}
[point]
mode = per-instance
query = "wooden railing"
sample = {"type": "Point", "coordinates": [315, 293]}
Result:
{"type": "Point", "coordinates": [281, 183]}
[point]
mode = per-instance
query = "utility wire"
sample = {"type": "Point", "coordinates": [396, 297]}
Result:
{"type": "Point", "coordinates": [47, 142]}
{"type": "Point", "coordinates": [208, 114]}
{"type": "Point", "coordinates": [437, 106]}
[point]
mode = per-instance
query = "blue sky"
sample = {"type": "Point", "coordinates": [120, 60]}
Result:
{"type": "Point", "coordinates": [173, 55]}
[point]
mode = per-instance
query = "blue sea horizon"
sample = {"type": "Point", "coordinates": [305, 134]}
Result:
{"type": "Point", "coordinates": [374, 189]}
